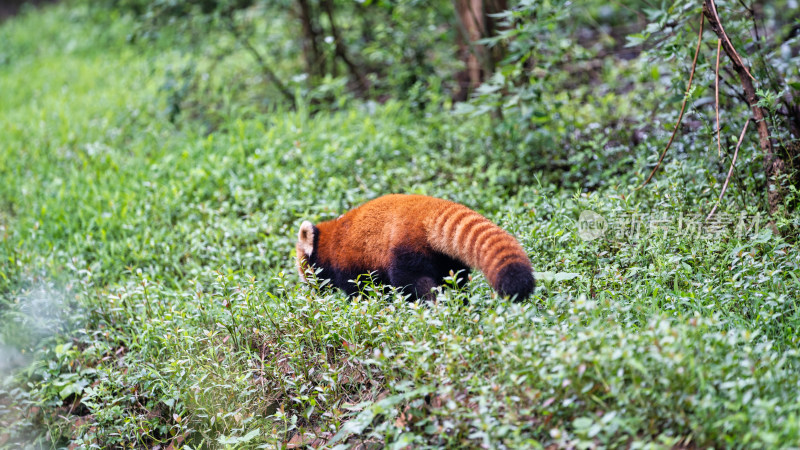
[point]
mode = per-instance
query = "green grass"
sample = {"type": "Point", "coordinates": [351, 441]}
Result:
{"type": "Point", "coordinates": [148, 292]}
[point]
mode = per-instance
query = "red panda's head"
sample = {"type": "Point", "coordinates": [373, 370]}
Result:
{"type": "Point", "coordinates": [306, 239]}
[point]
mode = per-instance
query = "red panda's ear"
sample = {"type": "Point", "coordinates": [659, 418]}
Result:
{"type": "Point", "coordinates": [305, 238]}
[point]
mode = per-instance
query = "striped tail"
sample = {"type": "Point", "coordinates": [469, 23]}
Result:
{"type": "Point", "coordinates": [467, 236]}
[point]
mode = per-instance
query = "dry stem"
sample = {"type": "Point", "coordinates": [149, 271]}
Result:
{"type": "Point", "coordinates": [716, 98]}
{"type": "Point", "coordinates": [730, 170]}
{"type": "Point", "coordinates": [683, 105]}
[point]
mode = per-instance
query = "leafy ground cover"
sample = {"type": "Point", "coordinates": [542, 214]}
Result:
{"type": "Point", "coordinates": [148, 294]}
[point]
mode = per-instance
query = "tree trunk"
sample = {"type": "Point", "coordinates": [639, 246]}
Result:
{"type": "Point", "coordinates": [774, 166]}
{"type": "Point", "coordinates": [474, 23]}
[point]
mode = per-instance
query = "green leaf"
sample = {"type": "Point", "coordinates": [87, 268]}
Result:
{"type": "Point", "coordinates": [555, 276]}
{"type": "Point", "coordinates": [233, 440]}
{"type": "Point", "coordinates": [582, 423]}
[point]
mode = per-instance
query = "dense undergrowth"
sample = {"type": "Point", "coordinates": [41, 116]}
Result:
{"type": "Point", "coordinates": [148, 294]}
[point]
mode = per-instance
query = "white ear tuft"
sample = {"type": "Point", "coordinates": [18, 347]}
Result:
{"type": "Point", "coordinates": [305, 238]}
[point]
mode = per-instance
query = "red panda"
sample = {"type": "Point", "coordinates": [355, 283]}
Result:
{"type": "Point", "coordinates": [413, 242]}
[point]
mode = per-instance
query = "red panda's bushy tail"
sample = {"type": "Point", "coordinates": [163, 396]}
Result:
{"type": "Point", "coordinates": [467, 236]}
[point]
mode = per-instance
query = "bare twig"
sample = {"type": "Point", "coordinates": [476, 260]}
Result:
{"type": "Point", "coordinates": [683, 105]}
{"type": "Point", "coordinates": [734, 92]}
{"type": "Point", "coordinates": [730, 170]}
{"type": "Point", "coordinates": [716, 98]}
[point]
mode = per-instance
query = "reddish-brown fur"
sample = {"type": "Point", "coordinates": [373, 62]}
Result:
{"type": "Point", "coordinates": [412, 239]}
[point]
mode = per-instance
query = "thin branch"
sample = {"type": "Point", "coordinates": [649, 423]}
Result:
{"type": "Point", "coordinates": [752, 12]}
{"type": "Point", "coordinates": [734, 92]}
{"type": "Point", "coordinates": [716, 98]}
{"type": "Point", "coordinates": [273, 78]}
{"type": "Point", "coordinates": [730, 72]}
{"type": "Point", "coordinates": [722, 32]}
{"type": "Point", "coordinates": [640, 15]}
{"type": "Point", "coordinates": [341, 50]}
{"type": "Point", "coordinates": [730, 170]}
{"type": "Point", "coordinates": [683, 105]}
